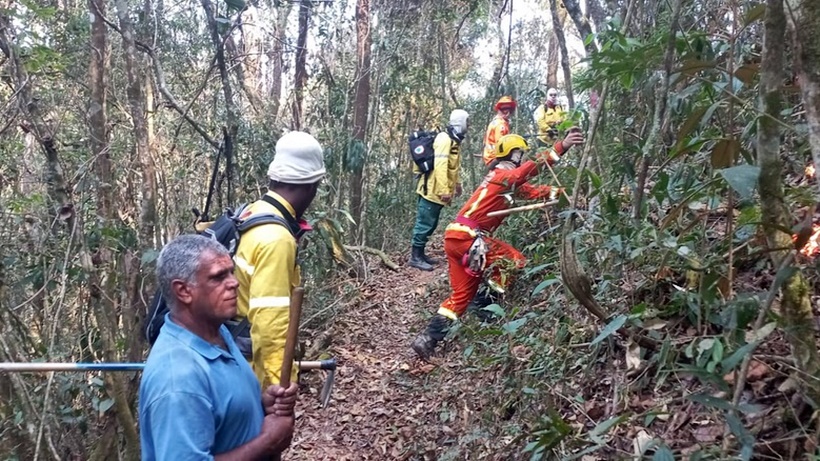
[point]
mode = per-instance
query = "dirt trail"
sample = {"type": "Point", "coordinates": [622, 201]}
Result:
{"type": "Point", "coordinates": [382, 406]}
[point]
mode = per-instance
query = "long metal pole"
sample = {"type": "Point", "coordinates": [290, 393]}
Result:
{"type": "Point", "coordinates": [17, 367]}
{"type": "Point", "coordinates": [29, 367]}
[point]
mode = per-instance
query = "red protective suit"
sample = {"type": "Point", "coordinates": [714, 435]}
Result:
{"type": "Point", "coordinates": [506, 178]}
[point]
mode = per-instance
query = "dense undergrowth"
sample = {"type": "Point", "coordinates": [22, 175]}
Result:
{"type": "Point", "coordinates": [552, 382]}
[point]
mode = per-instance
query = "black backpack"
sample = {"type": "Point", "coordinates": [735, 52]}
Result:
{"type": "Point", "coordinates": [227, 230]}
{"type": "Point", "coordinates": [422, 152]}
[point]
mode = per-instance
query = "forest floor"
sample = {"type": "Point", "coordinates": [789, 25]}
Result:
{"type": "Point", "coordinates": [385, 401]}
{"type": "Point", "coordinates": [594, 403]}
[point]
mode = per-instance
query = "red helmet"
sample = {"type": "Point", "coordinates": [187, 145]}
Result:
{"type": "Point", "coordinates": [506, 102]}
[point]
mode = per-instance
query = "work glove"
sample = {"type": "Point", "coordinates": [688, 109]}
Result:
{"type": "Point", "coordinates": [446, 198]}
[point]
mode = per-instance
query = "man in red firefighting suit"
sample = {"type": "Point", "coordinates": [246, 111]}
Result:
{"type": "Point", "coordinates": [508, 174]}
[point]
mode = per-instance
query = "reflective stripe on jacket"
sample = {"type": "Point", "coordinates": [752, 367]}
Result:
{"type": "Point", "coordinates": [445, 175]}
{"type": "Point", "coordinates": [497, 128]}
{"type": "Point", "coordinates": [267, 272]}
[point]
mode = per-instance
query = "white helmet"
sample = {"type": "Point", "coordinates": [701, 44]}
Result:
{"type": "Point", "coordinates": [298, 159]}
{"type": "Point", "coordinates": [458, 120]}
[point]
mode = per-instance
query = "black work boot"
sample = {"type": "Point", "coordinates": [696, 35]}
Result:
{"type": "Point", "coordinates": [483, 298]}
{"type": "Point", "coordinates": [429, 260]}
{"type": "Point", "coordinates": [417, 259]}
{"type": "Point", "coordinates": [425, 343]}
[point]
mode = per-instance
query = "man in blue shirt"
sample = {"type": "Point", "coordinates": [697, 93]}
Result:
{"type": "Point", "coordinates": [199, 398]}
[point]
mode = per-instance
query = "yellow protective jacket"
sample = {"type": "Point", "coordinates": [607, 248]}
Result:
{"type": "Point", "coordinates": [267, 272]}
{"type": "Point", "coordinates": [445, 175]}
{"type": "Point", "coordinates": [497, 128]}
{"type": "Point", "coordinates": [546, 119]}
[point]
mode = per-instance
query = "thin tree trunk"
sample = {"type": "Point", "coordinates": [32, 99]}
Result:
{"type": "Point", "coordinates": [661, 98]}
{"type": "Point", "coordinates": [581, 23]}
{"type": "Point", "coordinates": [136, 103]}
{"type": "Point", "coordinates": [300, 74]}
{"type": "Point", "coordinates": [795, 303]}
{"type": "Point", "coordinates": [277, 57]}
{"type": "Point", "coordinates": [148, 214]}
{"type": "Point", "coordinates": [361, 103]}
{"type": "Point", "coordinates": [804, 16]}
{"type": "Point", "coordinates": [232, 127]}
{"type": "Point", "coordinates": [36, 122]}
{"type": "Point", "coordinates": [558, 29]}
{"type": "Point", "coordinates": [553, 58]}
{"type": "Point", "coordinates": [245, 62]}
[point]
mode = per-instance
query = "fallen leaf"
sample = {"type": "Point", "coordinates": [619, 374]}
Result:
{"type": "Point", "coordinates": [762, 333]}
{"type": "Point", "coordinates": [633, 356]}
{"type": "Point", "coordinates": [655, 324]}
{"type": "Point", "coordinates": [789, 385]}
{"type": "Point", "coordinates": [708, 434]}
{"type": "Point", "coordinates": [640, 442]}
{"type": "Point", "coordinates": [757, 371]}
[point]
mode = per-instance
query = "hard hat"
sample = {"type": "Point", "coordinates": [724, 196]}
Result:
{"type": "Point", "coordinates": [506, 102]}
{"type": "Point", "coordinates": [458, 120]}
{"type": "Point", "coordinates": [507, 144]}
{"type": "Point", "coordinates": [298, 159]}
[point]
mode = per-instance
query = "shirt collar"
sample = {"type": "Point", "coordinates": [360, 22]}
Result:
{"type": "Point", "coordinates": [282, 200]}
{"type": "Point", "coordinates": [202, 347]}
{"type": "Point", "coordinates": [304, 226]}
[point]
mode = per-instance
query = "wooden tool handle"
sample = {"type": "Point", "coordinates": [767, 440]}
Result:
{"type": "Point", "coordinates": [510, 211]}
{"type": "Point", "coordinates": [293, 335]}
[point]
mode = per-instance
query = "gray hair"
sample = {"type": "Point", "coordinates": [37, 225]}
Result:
{"type": "Point", "coordinates": [180, 259]}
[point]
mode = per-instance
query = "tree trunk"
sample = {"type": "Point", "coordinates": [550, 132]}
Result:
{"type": "Point", "coordinates": [361, 103]}
{"type": "Point", "coordinates": [232, 127]}
{"type": "Point", "coordinates": [37, 122]}
{"type": "Point", "coordinates": [795, 303]}
{"type": "Point", "coordinates": [581, 23]}
{"type": "Point", "coordinates": [245, 58]}
{"type": "Point", "coordinates": [276, 55]}
{"type": "Point", "coordinates": [558, 29]}
{"type": "Point", "coordinates": [136, 104]}
{"type": "Point", "coordinates": [661, 98]}
{"type": "Point", "coordinates": [300, 74]}
{"type": "Point", "coordinates": [553, 58]}
{"type": "Point", "coordinates": [805, 21]}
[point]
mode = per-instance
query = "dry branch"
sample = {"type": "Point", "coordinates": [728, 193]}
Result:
{"type": "Point", "coordinates": [382, 255]}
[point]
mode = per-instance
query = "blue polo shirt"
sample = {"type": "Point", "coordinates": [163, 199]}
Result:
{"type": "Point", "coordinates": [196, 399]}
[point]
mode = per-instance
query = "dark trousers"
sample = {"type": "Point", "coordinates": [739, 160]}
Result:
{"type": "Point", "coordinates": [426, 221]}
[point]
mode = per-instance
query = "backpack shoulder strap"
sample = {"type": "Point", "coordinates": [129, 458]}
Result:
{"type": "Point", "coordinates": [263, 218]}
{"type": "Point", "coordinates": [292, 223]}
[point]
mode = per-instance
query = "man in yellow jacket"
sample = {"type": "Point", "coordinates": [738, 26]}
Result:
{"type": "Point", "coordinates": [499, 126]}
{"type": "Point", "coordinates": [547, 117]}
{"type": "Point", "coordinates": [437, 188]}
{"type": "Point", "coordinates": [265, 261]}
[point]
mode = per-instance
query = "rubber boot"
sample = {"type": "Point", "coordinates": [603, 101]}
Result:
{"type": "Point", "coordinates": [417, 259]}
{"type": "Point", "coordinates": [425, 343]}
{"type": "Point", "coordinates": [429, 260]}
{"type": "Point", "coordinates": [483, 298]}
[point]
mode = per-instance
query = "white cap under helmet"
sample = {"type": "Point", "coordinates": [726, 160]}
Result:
{"type": "Point", "coordinates": [298, 159]}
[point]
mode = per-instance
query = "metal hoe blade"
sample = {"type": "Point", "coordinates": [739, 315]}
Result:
{"type": "Point", "coordinates": [327, 389]}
